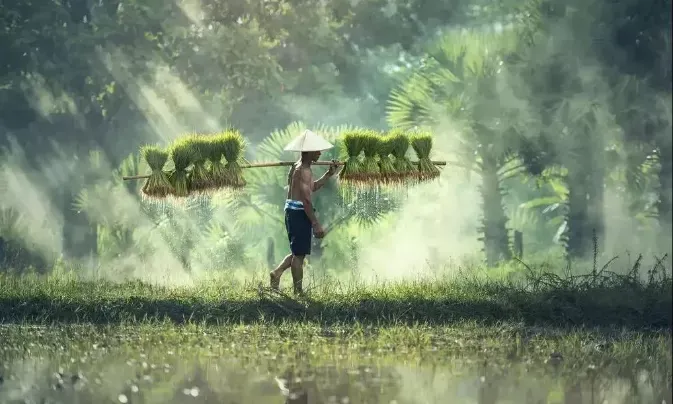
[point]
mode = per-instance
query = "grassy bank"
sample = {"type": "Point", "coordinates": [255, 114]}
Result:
{"type": "Point", "coordinates": [544, 299]}
{"type": "Point", "coordinates": [542, 338]}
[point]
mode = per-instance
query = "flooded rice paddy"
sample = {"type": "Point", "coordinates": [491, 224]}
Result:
{"type": "Point", "coordinates": [164, 363]}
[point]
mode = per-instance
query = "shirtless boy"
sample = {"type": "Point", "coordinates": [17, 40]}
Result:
{"type": "Point", "coordinates": [301, 222]}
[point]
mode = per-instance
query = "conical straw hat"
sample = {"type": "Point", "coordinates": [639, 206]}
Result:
{"type": "Point", "coordinates": [308, 142]}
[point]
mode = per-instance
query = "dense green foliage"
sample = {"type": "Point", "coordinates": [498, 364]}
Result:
{"type": "Point", "coordinates": [560, 110]}
{"type": "Point", "coordinates": [555, 122]}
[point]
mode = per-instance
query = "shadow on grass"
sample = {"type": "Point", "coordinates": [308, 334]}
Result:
{"type": "Point", "coordinates": [649, 307]}
{"type": "Point", "coordinates": [599, 299]}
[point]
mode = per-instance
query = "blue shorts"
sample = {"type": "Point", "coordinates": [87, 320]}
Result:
{"type": "Point", "coordinates": [299, 228]}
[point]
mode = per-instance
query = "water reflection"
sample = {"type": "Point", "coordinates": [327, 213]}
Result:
{"type": "Point", "coordinates": [108, 379]}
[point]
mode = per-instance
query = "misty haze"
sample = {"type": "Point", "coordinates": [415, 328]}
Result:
{"type": "Point", "coordinates": [344, 201]}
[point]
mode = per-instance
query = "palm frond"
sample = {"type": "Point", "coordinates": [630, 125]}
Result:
{"type": "Point", "coordinates": [269, 186]}
{"type": "Point", "coordinates": [94, 202]}
{"type": "Point", "coordinates": [96, 161]}
{"type": "Point", "coordinates": [10, 223]}
{"type": "Point", "coordinates": [519, 219]}
{"type": "Point", "coordinates": [372, 206]}
{"type": "Point", "coordinates": [560, 236]}
{"type": "Point", "coordinates": [547, 203]}
{"type": "Point", "coordinates": [510, 169]}
{"type": "Point", "coordinates": [251, 214]}
{"type": "Point", "coordinates": [271, 148]}
{"type": "Point", "coordinates": [410, 104]}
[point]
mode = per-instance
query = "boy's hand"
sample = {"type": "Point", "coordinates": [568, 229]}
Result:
{"type": "Point", "coordinates": [334, 169]}
{"type": "Point", "coordinates": [318, 231]}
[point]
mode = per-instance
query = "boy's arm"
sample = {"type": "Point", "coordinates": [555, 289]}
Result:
{"type": "Point", "coordinates": [289, 181]}
{"type": "Point", "coordinates": [328, 174]}
{"type": "Point", "coordinates": [306, 191]}
{"type": "Point", "coordinates": [321, 181]}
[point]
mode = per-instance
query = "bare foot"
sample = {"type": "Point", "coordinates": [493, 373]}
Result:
{"type": "Point", "coordinates": [274, 281]}
{"type": "Point", "coordinates": [299, 291]}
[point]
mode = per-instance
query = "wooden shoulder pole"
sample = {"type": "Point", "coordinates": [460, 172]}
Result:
{"type": "Point", "coordinates": [275, 164]}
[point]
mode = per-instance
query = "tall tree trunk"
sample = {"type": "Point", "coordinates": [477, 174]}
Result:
{"type": "Point", "coordinates": [3, 254]}
{"type": "Point", "coordinates": [578, 234]}
{"type": "Point", "coordinates": [586, 195]}
{"type": "Point", "coordinates": [596, 189]}
{"type": "Point", "coordinates": [664, 209]}
{"type": "Point", "coordinates": [494, 224]}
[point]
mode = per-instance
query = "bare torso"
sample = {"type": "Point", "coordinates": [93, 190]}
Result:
{"type": "Point", "coordinates": [294, 181]}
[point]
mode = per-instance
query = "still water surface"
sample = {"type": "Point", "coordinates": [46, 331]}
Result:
{"type": "Point", "coordinates": [66, 366]}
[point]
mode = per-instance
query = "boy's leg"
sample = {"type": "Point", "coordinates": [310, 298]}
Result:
{"type": "Point", "coordinates": [274, 276]}
{"type": "Point", "coordinates": [300, 232]}
{"type": "Point", "coordinates": [301, 247]}
{"type": "Point", "coordinates": [278, 272]}
{"type": "Point", "coordinates": [297, 273]}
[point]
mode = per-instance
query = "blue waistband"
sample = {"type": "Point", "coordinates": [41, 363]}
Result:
{"type": "Point", "coordinates": [294, 205]}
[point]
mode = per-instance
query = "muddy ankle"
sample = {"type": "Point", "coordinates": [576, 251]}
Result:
{"type": "Point", "coordinates": [274, 280]}
{"type": "Point", "coordinates": [298, 290]}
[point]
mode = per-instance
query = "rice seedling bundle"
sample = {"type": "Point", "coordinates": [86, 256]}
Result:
{"type": "Point", "coordinates": [217, 161]}
{"type": "Point", "coordinates": [233, 146]}
{"type": "Point", "coordinates": [182, 154]}
{"type": "Point", "coordinates": [370, 165]}
{"type": "Point", "coordinates": [421, 142]}
{"type": "Point", "coordinates": [157, 185]}
{"type": "Point", "coordinates": [218, 175]}
{"type": "Point", "coordinates": [354, 142]}
{"type": "Point", "coordinates": [399, 143]}
{"type": "Point", "coordinates": [386, 166]}
{"type": "Point", "coordinates": [201, 178]}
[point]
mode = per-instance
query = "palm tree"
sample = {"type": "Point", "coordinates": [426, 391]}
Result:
{"type": "Point", "coordinates": [26, 240]}
{"type": "Point", "coordinates": [463, 80]}
{"type": "Point", "coordinates": [665, 175]}
{"type": "Point", "coordinates": [579, 127]}
{"type": "Point", "coordinates": [130, 228]}
{"type": "Point", "coordinates": [644, 117]}
{"type": "Point", "coordinates": [259, 208]}
{"type": "Point", "coordinates": [541, 209]}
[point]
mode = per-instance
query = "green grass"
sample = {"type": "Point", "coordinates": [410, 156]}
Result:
{"type": "Point", "coordinates": [545, 338]}
{"type": "Point", "coordinates": [603, 299]}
